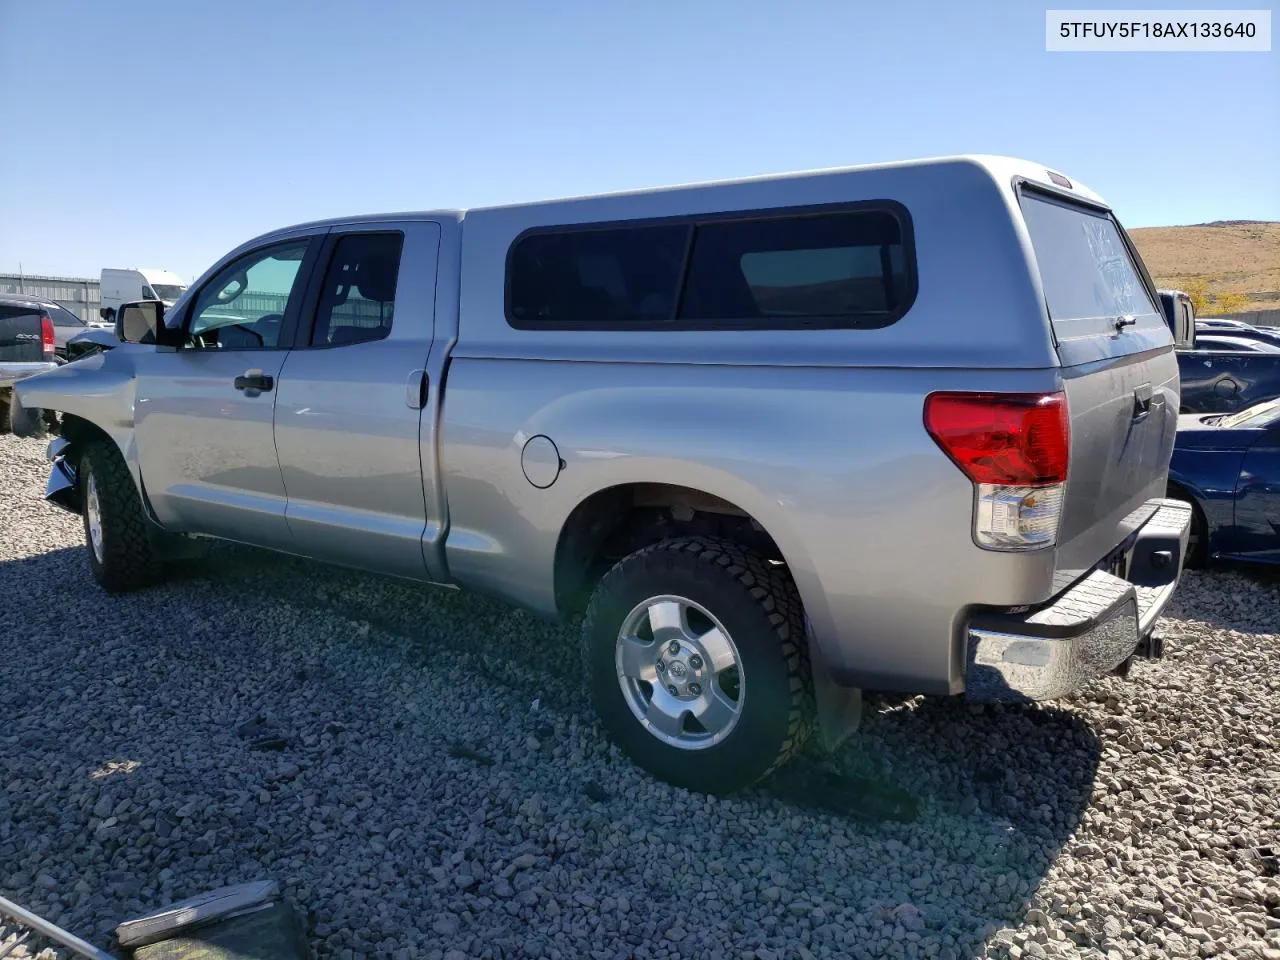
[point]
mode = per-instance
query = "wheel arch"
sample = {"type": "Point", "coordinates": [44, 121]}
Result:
{"type": "Point", "coordinates": [627, 515]}
{"type": "Point", "coordinates": [79, 432]}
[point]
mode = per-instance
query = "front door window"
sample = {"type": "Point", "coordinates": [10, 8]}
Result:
{"type": "Point", "coordinates": [244, 306]}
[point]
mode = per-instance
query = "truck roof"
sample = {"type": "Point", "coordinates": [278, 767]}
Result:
{"type": "Point", "coordinates": [1000, 168]}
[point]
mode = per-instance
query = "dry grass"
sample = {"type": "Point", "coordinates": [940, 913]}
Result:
{"type": "Point", "coordinates": [1235, 257]}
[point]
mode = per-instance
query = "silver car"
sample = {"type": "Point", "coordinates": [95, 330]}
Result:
{"type": "Point", "coordinates": [778, 440]}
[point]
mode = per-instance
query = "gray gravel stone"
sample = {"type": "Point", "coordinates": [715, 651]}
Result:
{"type": "Point", "coordinates": [1113, 823]}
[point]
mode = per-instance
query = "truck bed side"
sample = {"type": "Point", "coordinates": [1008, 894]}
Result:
{"type": "Point", "coordinates": [817, 436]}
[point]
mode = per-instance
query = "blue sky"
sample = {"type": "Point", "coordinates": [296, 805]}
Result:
{"type": "Point", "coordinates": [149, 133]}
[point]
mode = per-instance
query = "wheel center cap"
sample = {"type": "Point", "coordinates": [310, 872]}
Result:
{"type": "Point", "coordinates": [679, 670]}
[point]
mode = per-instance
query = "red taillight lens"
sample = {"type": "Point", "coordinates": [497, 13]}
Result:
{"type": "Point", "coordinates": [47, 342]}
{"type": "Point", "coordinates": [1008, 439]}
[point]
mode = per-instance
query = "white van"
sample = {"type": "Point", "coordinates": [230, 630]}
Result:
{"type": "Point", "coordinates": [125, 286]}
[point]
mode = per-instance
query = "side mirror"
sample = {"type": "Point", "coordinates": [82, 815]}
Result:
{"type": "Point", "coordinates": [137, 322]}
{"type": "Point", "coordinates": [143, 322]}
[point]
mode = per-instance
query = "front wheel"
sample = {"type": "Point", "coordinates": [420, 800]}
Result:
{"type": "Point", "coordinates": [122, 547]}
{"type": "Point", "coordinates": [695, 658]}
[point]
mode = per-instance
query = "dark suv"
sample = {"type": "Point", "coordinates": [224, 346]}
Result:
{"type": "Point", "coordinates": [65, 323]}
{"type": "Point", "coordinates": [28, 345]}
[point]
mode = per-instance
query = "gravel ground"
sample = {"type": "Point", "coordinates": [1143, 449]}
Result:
{"type": "Point", "coordinates": [424, 778]}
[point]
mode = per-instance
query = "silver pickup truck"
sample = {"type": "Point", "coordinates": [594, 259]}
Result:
{"type": "Point", "coordinates": [897, 427]}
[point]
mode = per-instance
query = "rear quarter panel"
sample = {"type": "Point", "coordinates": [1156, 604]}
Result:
{"type": "Point", "coordinates": [873, 520]}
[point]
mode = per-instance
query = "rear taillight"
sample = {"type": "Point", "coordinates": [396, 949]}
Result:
{"type": "Point", "coordinates": [47, 343]}
{"type": "Point", "coordinates": [1015, 448]}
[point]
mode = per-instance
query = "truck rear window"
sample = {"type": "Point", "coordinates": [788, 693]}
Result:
{"type": "Point", "coordinates": [1085, 267]}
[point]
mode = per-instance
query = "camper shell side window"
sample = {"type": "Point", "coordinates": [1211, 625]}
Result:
{"type": "Point", "coordinates": [851, 265]}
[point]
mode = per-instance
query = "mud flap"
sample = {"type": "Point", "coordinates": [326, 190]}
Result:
{"type": "Point", "coordinates": [839, 708]}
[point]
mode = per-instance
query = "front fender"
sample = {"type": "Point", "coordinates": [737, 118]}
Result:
{"type": "Point", "coordinates": [99, 390]}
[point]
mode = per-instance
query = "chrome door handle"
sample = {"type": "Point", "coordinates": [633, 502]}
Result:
{"type": "Point", "coordinates": [254, 382]}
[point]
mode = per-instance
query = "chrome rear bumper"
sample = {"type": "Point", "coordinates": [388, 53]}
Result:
{"type": "Point", "coordinates": [1092, 629]}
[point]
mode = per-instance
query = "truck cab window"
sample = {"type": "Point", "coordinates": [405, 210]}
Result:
{"type": "Point", "coordinates": [357, 297]}
{"type": "Point", "coordinates": [243, 307]}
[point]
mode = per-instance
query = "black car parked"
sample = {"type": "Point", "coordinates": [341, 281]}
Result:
{"type": "Point", "coordinates": [28, 346]}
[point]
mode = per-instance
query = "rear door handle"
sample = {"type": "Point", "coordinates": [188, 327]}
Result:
{"type": "Point", "coordinates": [416, 386]}
{"type": "Point", "coordinates": [254, 382]}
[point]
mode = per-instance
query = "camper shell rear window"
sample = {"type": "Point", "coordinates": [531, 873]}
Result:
{"type": "Point", "coordinates": [1087, 269]}
{"type": "Point", "coordinates": [815, 267]}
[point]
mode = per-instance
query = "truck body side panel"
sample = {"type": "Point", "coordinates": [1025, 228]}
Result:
{"type": "Point", "coordinates": [834, 463]}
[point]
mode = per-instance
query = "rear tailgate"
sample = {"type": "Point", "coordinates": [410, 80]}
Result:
{"type": "Point", "coordinates": [1119, 369]}
{"type": "Point", "coordinates": [20, 334]}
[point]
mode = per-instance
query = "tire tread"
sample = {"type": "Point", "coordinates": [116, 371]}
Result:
{"type": "Point", "coordinates": [772, 589]}
{"type": "Point", "coordinates": [130, 560]}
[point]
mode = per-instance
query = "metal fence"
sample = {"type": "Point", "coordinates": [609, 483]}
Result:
{"type": "Point", "coordinates": [80, 295]}
{"type": "Point", "coordinates": [253, 303]}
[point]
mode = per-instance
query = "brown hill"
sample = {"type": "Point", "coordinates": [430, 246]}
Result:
{"type": "Point", "coordinates": [1226, 257]}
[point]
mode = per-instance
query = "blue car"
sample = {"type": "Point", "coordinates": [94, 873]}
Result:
{"type": "Point", "coordinates": [1228, 467]}
{"type": "Point", "coordinates": [1227, 373]}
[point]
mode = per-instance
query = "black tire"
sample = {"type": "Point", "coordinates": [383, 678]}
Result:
{"type": "Point", "coordinates": [129, 555]}
{"type": "Point", "coordinates": [759, 608]}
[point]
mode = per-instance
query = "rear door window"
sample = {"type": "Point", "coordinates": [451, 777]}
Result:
{"type": "Point", "coordinates": [1089, 277]}
{"type": "Point", "coordinates": [357, 298]}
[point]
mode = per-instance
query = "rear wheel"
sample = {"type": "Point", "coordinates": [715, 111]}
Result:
{"type": "Point", "coordinates": [122, 546]}
{"type": "Point", "coordinates": [694, 653]}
